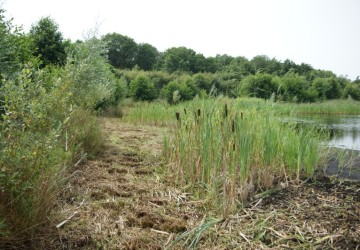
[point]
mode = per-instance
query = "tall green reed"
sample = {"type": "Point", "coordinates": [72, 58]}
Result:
{"type": "Point", "coordinates": [226, 154]}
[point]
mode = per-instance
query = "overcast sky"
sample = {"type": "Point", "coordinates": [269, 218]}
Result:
{"type": "Point", "coordinates": [322, 33]}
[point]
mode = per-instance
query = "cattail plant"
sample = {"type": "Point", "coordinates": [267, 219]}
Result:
{"type": "Point", "coordinates": [226, 155]}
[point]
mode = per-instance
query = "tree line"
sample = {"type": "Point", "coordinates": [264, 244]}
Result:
{"type": "Point", "coordinates": [185, 74]}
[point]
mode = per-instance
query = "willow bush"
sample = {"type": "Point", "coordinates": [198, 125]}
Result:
{"type": "Point", "coordinates": [47, 124]}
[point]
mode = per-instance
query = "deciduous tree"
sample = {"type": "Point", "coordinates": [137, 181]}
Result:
{"type": "Point", "coordinates": [122, 50]}
{"type": "Point", "coordinates": [49, 42]}
{"type": "Point", "coordinates": [147, 56]}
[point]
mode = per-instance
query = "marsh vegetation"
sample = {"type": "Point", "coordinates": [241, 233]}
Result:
{"type": "Point", "coordinates": [197, 147]}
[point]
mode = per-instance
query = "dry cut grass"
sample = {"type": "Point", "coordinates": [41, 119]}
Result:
{"type": "Point", "coordinates": [124, 200]}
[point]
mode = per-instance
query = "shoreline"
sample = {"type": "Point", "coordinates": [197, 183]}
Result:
{"type": "Point", "coordinates": [344, 163]}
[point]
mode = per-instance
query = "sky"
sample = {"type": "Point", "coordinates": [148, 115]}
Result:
{"type": "Point", "coordinates": [322, 33]}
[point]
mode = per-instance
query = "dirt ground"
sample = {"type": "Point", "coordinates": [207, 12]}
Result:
{"type": "Point", "coordinates": [123, 200]}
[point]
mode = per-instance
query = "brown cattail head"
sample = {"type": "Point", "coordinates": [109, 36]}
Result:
{"type": "Point", "coordinates": [233, 126]}
{"type": "Point", "coordinates": [225, 110]}
{"type": "Point", "coordinates": [241, 115]}
{"type": "Point", "coordinates": [185, 111]}
{"type": "Point", "coordinates": [177, 114]}
{"type": "Point", "coordinates": [199, 112]}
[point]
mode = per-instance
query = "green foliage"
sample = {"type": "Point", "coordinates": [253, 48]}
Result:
{"type": "Point", "coordinates": [240, 67]}
{"type": "Point", "coordinates": [15, 48]}
{"type": "Point", "coordinates": [42, 130]}
{"type": "Point", "coordinates": [264, 64]}
{"type": "Point", "coordinates": [336, 107]}
{"type": "Point", "coordinates": [328, 88]}
{"type": "Point", "coordinates": [175, 91]}
{"type": "Point", "coordinates": [8, 59]}
{"type": "Point", "coordinates": [120, 90]}
{"type": "Point", "coordinates": [189, 89]}
{"type": "Point", "coordinates": [169, 90]}
{"type": "Point", "coordinates": [357, 80]}
{"type": "Point", "coordinates": [162, 114]}
{"type": "Point", "coordinates": [295, 88]}
{"type": "Point", "coordinates": [159, 78]}
{"type": "Point", "coordinates": [141, 88]}
{"type": "Point", "coordinates": [48, 41]}
{"type": "Point", "coordinates": [203, 81]}
{"type": "Point", "coordinates": [147, 56]}
{"type": "Point", "coordinates": [46, 123]}
{"type": "Point", "coordinates": [226, 156]}
{"type": "Point", "coordinates": [179, 59]}
{"type": "Point", "coordinates": [222, 61]}
{"type": "Point", "coordinates": [259, 85]}
{"type": "Point", "coordinates": [122, 51]}
{"type": "Point", "coordinates": [32, 153]}
{"type": "Point", "coordinates": [352, 90]}
{"type": "Point", "coordinates": [94, 83]}
{"type": "Point", "coordinates": [226, 75]}
{"type": "Point", "coordinates": [289, 66]}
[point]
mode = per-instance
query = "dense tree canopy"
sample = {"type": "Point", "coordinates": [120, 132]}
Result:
{"type": "Point", "coordinates": [122, 50]}
{"type": "Point", "coordinates": [180, 59]}
{"type": "Point", "coordinates": [261, 76]}
{"type": "Point", "coordinates": [147, 56]}
{"type": "Point", "coordinates": [49, 42]}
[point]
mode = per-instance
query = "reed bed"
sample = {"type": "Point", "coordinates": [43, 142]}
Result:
{"type": "Point", "coordinates": [225, 154]}
{"type": "Point", "coordinates": [336, 107]}
{"type": "Point", "coordinates": [160, 113]}
{"type": "Point", "coordinates": [155, 113]}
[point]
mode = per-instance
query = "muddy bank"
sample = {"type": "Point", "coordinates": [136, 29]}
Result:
{"type": "Point", "coordinates": [344, 163]}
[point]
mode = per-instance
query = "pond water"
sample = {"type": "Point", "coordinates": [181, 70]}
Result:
{"type": "Point", "coordinates": [344, 129]}
{"type": "Point", "coordinates": [345, 136]}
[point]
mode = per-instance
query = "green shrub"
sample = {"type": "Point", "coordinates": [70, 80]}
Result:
{"type": "Point", "coordinates": [352, 90]}
{"type": "Point", "coordinates": [295, 88]}
{"type": "Point", "coordinates": [15, 48]}
{"type": "Point", "coordinates": [175, 91]}
{"type": "Point", "coordinates": [31, 154]}
{"type": "Point", "coordinates": [93, 81]}
{"type": "Point", "coordinates": [203, 81]}
{"type": "Point", "coordinates": [46, 125]}
{"type": "Point", "coordinates": [168, 91]}
{"type": "Point", "coordinates": [259, 85]}
{"type": "Point", "coordinates": [141, 88]}
{"type": "Point", "coordinates": [327, 88]}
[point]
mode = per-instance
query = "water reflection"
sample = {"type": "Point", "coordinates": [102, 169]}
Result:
{"type": "Point", "coordinates": [344, 130]}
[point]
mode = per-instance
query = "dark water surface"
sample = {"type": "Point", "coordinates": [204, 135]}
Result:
{"type": "Point", "coordinates": [344, 133]}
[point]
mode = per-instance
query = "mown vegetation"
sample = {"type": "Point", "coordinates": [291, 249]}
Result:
{"type": "Point", "coordinates": [224, 149]}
